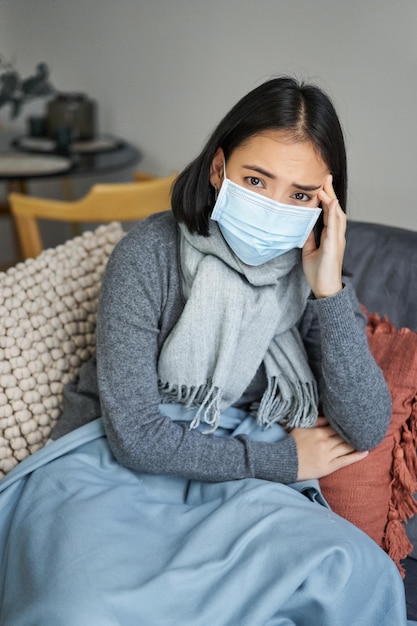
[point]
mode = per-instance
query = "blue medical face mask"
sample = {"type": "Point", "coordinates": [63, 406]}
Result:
{"type": "Point", "coordinates": [259, 229]}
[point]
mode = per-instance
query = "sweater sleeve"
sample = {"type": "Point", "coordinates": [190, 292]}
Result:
{"type": "Point", "coordinates": [139, 303]}
{"type": "Point", "coordinates": [353, 392]}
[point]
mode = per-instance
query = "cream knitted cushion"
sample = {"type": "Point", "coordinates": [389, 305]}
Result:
{"type": "Point", "coordinates": [47, 330]}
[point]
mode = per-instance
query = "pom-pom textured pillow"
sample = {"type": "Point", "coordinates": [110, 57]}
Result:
{"type": "Point", "coordinates": [47, 330]}
{"type": "Point", "coordinates": [376, 494]}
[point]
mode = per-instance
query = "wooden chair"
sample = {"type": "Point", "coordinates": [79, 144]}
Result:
{"type": "Point", "coordinates": [104, 203]}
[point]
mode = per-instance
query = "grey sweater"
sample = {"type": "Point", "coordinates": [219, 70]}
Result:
{"type": "Point", "coordinates": [141, 300]}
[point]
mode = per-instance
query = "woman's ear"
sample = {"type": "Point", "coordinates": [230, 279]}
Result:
{"type": "Point", "coordinates": [217, 168]}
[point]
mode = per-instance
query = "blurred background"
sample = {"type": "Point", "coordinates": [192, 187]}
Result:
{"type": "Point", "coordinates": [163, 73]}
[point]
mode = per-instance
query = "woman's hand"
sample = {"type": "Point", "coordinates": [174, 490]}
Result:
{"type": "Point", "coordinates": [323, 265]}
{"type": "Point", "coordinates": [321, 451]}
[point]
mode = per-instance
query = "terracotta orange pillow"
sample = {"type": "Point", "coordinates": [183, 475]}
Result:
{"type": "Point", "coordinates": [376, 494]}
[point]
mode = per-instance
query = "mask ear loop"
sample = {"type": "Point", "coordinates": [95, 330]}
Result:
{"type": "Point", "coordinates": [216, 190]}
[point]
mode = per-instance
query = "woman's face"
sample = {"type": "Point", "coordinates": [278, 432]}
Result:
{"type": "Point", "coordinates": [274, 165]}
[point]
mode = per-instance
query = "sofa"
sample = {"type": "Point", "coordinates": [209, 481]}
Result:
{"type": "Point", "coordinates": [382, 261]}
{"type": "Point", "coordinates": [47, 331]}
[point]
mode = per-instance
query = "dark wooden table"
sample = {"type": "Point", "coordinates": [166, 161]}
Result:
{"type": "Point", "coordinates": [23, 159]}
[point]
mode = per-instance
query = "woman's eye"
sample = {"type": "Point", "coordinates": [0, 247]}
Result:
{"type": "Point", "coordinates": [254, 182]}
{"type": "Point", "coordinates": [301, 197]}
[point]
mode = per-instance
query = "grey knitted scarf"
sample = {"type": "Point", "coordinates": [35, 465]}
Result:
{"type": "Point", "coordinates": [236, 317]}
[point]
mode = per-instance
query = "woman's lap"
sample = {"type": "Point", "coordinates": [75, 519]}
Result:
{"type": "Point", "coordinates": [105, 545]}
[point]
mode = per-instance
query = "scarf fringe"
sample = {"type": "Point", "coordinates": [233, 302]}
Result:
{"type": "Point", "coordinates": [297, 410]}
{"type": "Point", "coordinates": [206, 397]}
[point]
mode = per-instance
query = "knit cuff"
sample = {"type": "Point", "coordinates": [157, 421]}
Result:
{"type": "Point", "coordinates": [277, 462]}
{"type": "Point", "coordinates": [336, 317]}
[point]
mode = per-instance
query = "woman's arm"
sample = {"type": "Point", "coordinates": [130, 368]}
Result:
{"type": "Point", "coordinates": [353, 392]}
{"type": "Point", "coordinates": [139, 304]}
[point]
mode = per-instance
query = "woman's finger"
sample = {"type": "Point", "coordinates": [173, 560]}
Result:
{"type": "Point", "coordinates": [348, 459]}
{"type": "Point", "coordinates": [328, 187]}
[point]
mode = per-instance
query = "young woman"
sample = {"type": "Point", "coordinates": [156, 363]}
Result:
{"type": "Point", "coordinates": [233, 371]}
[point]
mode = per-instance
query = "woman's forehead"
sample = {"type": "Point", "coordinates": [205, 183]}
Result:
{"type": "Point", "coordinates": [278, 152]}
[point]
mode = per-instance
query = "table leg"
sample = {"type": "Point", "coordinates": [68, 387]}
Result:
{"type": "Point", "coordinates": [69, 196]}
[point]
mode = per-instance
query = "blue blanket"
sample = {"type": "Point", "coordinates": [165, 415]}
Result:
{"type": "Point", "coordinates": [86, 541]}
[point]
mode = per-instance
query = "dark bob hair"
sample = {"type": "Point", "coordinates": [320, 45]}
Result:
{"type": "Point", "coordinates": [278, 104]}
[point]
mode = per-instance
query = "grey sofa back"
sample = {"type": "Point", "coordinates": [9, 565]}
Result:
{"type": "Point", "coordinates": [382, 261]}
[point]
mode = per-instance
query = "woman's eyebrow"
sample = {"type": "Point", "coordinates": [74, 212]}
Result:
{"type": "Point", "coordinates": [256, 168]}
{"type": "Point", "coordinates": [260, 170]}
{"type": "Point", "coordinates": [306, 187]}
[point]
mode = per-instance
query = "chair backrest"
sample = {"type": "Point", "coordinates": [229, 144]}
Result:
{"type": "Point", "coordinates": [104, 203]}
